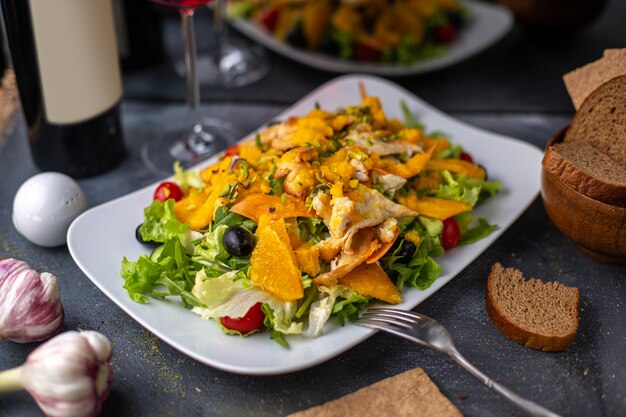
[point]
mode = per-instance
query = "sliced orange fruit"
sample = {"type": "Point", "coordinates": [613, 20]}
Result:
{"type": "Point", "coordinates": [371, 280]}
{"type": "Point", "coordinates": [273, 264]}
{"type": "Point", "coordinates": [307, 257]}
{"type": "Point", "coordinates": [189, 204]}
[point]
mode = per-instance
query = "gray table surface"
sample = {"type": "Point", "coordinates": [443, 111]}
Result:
{"type": "Point", "coordinates": [153, 379]}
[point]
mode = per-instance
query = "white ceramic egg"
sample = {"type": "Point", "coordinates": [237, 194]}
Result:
{"type": "Point", "coordinates": [45, 206]}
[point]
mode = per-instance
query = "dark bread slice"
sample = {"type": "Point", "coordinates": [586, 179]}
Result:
{"type": "Point", "coordinates": [581, 82]}
{"type": "Point", "coordinates": [601, 120]}
{"type": "Point", "coordinates": [588, 170]}
{"type": "Point", "coordinates": [411, 394]}
{"type": "Point", "coordinates": [538, 315]}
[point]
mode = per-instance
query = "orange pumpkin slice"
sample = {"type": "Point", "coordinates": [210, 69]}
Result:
{"type": "Point", "coordinates": [458, 166]}
{"type": "Point", "coordinates": [371, 280]}
{"type": "Point", "coordinates": [382, 250]}
{"type": "Point", "coordinates": [273, 264]}
{"type": "Point", "coordinates": [203, 216]}
{"type": "Point", "coordinates": [437, 208]}
{"type": "Point", "coordinates": [253, 206]}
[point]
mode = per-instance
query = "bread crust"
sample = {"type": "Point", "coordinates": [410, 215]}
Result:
{"type": "Point", "coordinates": [514, 332]}
{"type": "Point", "coordinates": [582, 182]}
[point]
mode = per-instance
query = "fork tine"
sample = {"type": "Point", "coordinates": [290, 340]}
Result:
{"type": "Point", "coordinates": [398, 313]}
{"type": "Point", "coordinates": [380, 314]}
{"type": "Point", "coordinates": [387, 320]}
{"type": "Point", "coordinates": [383, 326]}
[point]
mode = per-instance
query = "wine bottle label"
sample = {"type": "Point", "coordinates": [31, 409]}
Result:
{"type": "Point", "coordinates": [78, 60]}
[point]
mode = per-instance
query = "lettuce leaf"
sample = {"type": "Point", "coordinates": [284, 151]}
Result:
{"type": "Point", "coordinates": [170, 274]}
{"type": "Point", "coordinates": [312, 230]}
{"type": "Point", "coordinates": [465, 189]}
{"type": "Point", "coordinates": [231, 294]}
{"type": "Point", "coordinates": [160, 222]}
{"type": "Point", "coordinates": [186, 179]}
{"type": "Point", "coordinates": [212, 248]}
{"type": "Point", "coordinates": [473, 229]}
{"type": "Point", "coordinates": [422, 270]}
{"type": "Point", "coordinates": [327, 305]}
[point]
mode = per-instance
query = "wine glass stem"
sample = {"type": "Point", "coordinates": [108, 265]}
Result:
{"type": "Point", "coordinates": [189, 48]}
{"type": "Point", "coordinates": [219, 25]}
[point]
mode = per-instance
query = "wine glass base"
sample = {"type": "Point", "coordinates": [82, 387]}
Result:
{"type": "Point", "coordinates": [240, 64]}
{"type": "Point", "coordinates": [188, 145]}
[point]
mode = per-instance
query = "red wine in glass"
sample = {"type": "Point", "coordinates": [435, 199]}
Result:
{"type": "Point", "coordinates": [182, 4]}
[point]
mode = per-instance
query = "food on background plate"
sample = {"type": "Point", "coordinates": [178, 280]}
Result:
{"type": "Point", "coordinates": [314, 218]}
{"type": "Point", "coordinates": [411, 394]}
{"type": "Point", "coordinates": [539, 315]}
{"type": "Point", "coordinates": [386, 31]}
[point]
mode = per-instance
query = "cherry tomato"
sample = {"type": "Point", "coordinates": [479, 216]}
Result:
{"type": "Point", "coordinates": [251, 321]}
{"type": "Point", "coordinates": [232, 150]}
{"type": "Point", "coordinates": [445, 34]}
{"type": "Point", "coordinates": [167, 190]}
{"type": "Point", "coordinates": [467, 157]}
{"type": "Point", "coordinates": [363, 52]}
{"type": "Point", "coordinates": [451, 233]}
{"type": "Point", "coordinates": [269, 18]}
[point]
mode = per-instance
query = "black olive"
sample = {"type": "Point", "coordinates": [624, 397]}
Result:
{"type": "Point", "coordinates": [238, 241]}
{"type": "Point", "coordinates": [329, 46]}
{"type": "Point", "coordinates": [405, 252]}
{"type": "Point", "coordinates": [295, 37]}
{"type": "Point", "coordinates": [455, 19]}
{"type": "Point", "coordinates": [486, 173]}
{"type": "Point", "coordinates": [141, 240]}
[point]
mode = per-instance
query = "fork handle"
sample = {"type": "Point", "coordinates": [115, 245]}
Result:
{"type": "Point", "coordinates": [531, 408]}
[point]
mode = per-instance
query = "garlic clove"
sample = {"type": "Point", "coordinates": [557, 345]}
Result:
{"type": "Point", "coordinates": [30, 305]}
{"type": "Point", "coordinates": [70, 375]}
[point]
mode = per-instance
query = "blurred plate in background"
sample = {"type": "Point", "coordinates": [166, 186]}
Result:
{"type": "Point", "coordinates": [487, 24]}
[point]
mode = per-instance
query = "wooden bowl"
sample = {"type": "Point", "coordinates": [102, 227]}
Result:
{"type": "Point", "coordinates": [555, 15]}
{"type": "Point", "coordinates": [597, 228]}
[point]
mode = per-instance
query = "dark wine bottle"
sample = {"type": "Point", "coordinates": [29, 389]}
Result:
{"type": "Point", "coordinates": [66, 65]}
{"type": "Point", "coordinates": [139, 34]}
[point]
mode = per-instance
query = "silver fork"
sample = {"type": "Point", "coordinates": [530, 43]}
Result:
{"type": "Point", "coordinates": [428, 332]}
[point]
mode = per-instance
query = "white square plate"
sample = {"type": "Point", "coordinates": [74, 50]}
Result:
{"type": "Point", "coordinates": [102, 236]}
{"type": "Point", "coordinates": [487, 24]}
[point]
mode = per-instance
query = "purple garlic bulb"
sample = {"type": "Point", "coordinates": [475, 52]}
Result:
{"type": "Point", "coordinates": [30, 307]}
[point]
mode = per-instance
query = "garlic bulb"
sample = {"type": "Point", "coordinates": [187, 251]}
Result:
{"type": "Point", "coordinates": [30, 307]}
{"type": "Point", "coordinates": [68, 376]}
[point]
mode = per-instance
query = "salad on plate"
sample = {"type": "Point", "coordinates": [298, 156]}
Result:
{"type": "Point", "coordinates": [383, 31]}
{"type": "Point", "coordinates": [311, 220]}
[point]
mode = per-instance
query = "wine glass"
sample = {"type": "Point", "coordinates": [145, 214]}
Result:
{"type": "Point", "coordinates": [191, 138]}
{"type": "Point", "coordinates": [231, 62]}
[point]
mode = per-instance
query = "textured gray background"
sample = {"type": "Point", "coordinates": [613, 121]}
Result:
{"type": "Point", "coordinates": [514, 89]}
